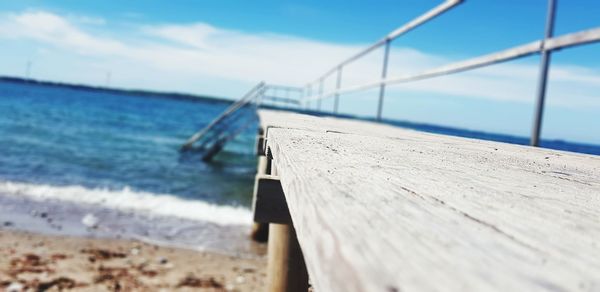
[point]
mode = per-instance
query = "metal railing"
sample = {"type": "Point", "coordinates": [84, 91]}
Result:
{"type": "Point", "coordinates": [248, 98]}
{"type": "Point", "coordinates": [545, 47]}
{"type": "Point", "coordinates": [211, 139]}
{"type": "Point", "coordinates": [282, 96]}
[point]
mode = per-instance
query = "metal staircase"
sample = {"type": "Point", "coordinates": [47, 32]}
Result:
{"type": "Point", "coordinates": [209, 141]}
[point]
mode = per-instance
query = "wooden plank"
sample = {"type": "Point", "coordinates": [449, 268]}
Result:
{"type": "Point", "coordinates": [260, 231]}
{"type": "Point", "coordinates": [269, 204]}
{"type": "Point", "coordinates": [379, 208]}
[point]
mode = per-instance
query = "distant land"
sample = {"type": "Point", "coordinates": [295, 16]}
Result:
{"type": "Point", "coordinates": [138, 92]}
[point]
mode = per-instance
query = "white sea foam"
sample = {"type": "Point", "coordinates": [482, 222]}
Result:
{"type": "Point", "coordinates": [129, 200]}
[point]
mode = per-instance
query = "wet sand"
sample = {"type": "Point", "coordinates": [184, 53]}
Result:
{"type": "Point", "coordinates": [34, 262]}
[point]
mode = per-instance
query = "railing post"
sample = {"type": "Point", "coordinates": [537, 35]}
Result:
{"type": "Point", "coordinates": [260, 95]}
{"type": "Point", "coordinates": [336, 100]}
{"type": "Point", "coordinates": [304, 95]}
{"type": "Point", "coordinates": [320, 95]}
{"type": "Point", "coordinates": [386, 55]}
{"type": "Point", "coordinates": [543, 78]}
{"type": "Point", "coordinates": [309, 95]}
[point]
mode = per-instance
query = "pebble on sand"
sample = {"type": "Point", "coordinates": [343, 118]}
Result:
{"type": "Point", "coordinates": [15, 287]}
{"type": "Point", "coordinates": [90, 221]}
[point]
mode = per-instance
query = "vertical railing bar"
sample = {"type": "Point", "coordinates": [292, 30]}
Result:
{"type": "Point", "coordinates": [543, 77]}
{"type": "Point", "coordinates": [336, 100]}
{"type": "Point", "coordinates": [420, 20]}
{"type": "Point", "coordinates": [309, 94]}
{"type": "Point", "coordinates": [384, 68]}
{"type": "Point", "coordinates": [320, 94]}
{"type": "Point", "coordinates": [305, 101]}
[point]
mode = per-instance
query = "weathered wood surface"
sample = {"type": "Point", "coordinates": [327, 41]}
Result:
{"type": "Point", "coordinates": [379, 208]}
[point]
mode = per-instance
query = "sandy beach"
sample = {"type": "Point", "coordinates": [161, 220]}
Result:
{"type": "Point", "coordinates": [34, 262]}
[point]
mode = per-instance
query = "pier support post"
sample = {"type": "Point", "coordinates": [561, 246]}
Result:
{"type": "Point", "coordinates": [260, 152]}
{"type": "Point", "coordinates": [286, 270]}
{"type": "Point", "coordinates": [260, 230]}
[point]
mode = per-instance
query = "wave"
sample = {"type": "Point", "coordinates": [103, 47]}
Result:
{"type": "Point", "coordinates": [129, 200]}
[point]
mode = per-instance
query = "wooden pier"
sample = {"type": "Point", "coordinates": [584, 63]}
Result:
{"type": "Point", "coordinates": [351, 205]}
{"type": "Point", "coordinates": [359, 206]}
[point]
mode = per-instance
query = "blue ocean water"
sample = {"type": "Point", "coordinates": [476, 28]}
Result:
{"type": "Point", "coordinates": [70, 153]}
{"type": "Point", "coordinates": [101, 140]}
{"type": "Point", "coordinates": [114, 141]}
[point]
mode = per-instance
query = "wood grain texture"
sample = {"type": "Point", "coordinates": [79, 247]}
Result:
{"type": "Point", "coordinates": [380, 208]}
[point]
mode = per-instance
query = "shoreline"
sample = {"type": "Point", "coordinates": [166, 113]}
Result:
{"type": "Point", "coordinates": [31, 261]}
{"type": "Point", "coordinates": [114, 90]}
{"type": "Point", "coordinates": [21, 213]}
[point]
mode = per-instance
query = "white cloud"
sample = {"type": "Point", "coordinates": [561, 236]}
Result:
{"type": "Point", "coordinates": [87, 20]}
{"type": "Point", "coordinates": [57, 31]}
{"type": "Point", "coordinates": [196, 35]}
{"type": "Point", "coordinates": [188, 51]}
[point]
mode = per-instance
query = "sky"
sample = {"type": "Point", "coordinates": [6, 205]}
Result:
{"type": "Point", "coordinates": [222, 48]}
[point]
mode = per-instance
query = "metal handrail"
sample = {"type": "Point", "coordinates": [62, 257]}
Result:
{"type": "Point", "coordinates": [553, 44]}
{"type": "Point", "coordinates": [429, 15]}
{"type": "Point", "coordinates": [284, 87]}
{"type": "Point", "coordinates": [544, 47]}
{"type": "Point", "coordinates": [385, 41]}
{"type": "Point", "coordinates": [212, 138]}
{"type": "Point", "coordinates": [247, 98]}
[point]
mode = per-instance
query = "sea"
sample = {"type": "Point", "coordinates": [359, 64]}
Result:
{"type": "Point", "coordinates": [105, 163]}
{"type": "Point", "coordinates": [74, 155]}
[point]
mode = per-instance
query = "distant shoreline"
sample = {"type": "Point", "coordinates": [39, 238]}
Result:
{"type": "Point", "coordinates": [138, 92]}
{"type": "Point", "coordinates": [557, 144]}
